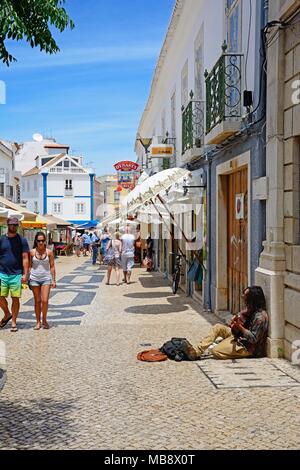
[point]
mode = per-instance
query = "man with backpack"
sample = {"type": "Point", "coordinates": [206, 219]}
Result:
{"type": "Point", "coordinates": [14, 270]}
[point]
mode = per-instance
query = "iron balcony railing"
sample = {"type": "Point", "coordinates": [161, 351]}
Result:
{"type": "Point", "coordinates": [169, 162]}
{"type": "Point", "coordinates": [224, 89]}
{"type": "Point", "coordinates": [192, 124]}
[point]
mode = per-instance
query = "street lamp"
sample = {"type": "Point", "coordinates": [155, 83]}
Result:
{"type": "Point", "coordinates": [145, 142]}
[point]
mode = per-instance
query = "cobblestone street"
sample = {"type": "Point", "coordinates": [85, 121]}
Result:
{"type": "Point", "coordinates": [80, 386]}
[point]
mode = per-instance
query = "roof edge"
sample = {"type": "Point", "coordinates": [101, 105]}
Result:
{"type": "Point", "coordinates": [160, 62]}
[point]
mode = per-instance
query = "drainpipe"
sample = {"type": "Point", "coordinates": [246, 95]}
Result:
{"type": "Point", "coordinates": [92, 194]}
{"type": "Point", "coordinates": [208, 303]}
{"type": "Point", "coordinates": [44, 175]}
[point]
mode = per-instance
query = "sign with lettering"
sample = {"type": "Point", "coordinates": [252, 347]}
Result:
{"type": "Point", "coordinates": [126, 166]}
{"type": "Point", "coordinates": [161, 151]}
{"type": "Point", "coordinates": [127, 174]}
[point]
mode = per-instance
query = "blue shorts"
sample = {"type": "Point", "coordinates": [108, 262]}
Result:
{"type": "Point", "coordinates": [35, 283]}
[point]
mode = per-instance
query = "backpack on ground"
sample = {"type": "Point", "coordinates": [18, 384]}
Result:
{"type": "Point", "coordinates": [175, 349]}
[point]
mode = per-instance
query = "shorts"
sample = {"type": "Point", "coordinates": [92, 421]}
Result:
{"type": "Point", "coordinates": [11, 283]}
{"type": "Point", "coordinates": [127, 263]}
{"type": "Point", "coordinates": [115, 263]}
{"type": "Point", "coordinates": [35, 283]}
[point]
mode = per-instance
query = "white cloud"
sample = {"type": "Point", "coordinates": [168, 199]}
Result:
{"type": "Point", "coordinates": [87, 55]}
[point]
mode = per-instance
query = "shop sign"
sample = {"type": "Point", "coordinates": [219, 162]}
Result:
{"type": "Point", "coordinates": [126, 166]}
{"type": "Point", "coordinates": [161, 151]}
{"type": "Point", "coordinates": [127, 174]}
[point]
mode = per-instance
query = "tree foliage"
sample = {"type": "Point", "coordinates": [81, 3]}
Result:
{"type": "Point", "coordinates": [31, 20]}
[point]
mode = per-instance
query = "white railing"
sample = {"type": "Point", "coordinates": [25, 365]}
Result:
{"type": "Point", "coordinates": [69, 192]}
{"type": "Point", "coordinates": [66, 170]}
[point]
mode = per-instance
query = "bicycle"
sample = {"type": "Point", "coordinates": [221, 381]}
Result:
{"type": "Point", "coordinates": [177, 272]}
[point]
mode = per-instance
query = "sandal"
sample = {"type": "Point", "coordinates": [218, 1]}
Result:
{"type": "Point", "coordinates": [46, 326]}
{"type": "Point", "coordinates": [4, 322]}
{"type": "Point", "coordinates": [36, 328]}
{"type": "Point", "coordinates": [14, 329]}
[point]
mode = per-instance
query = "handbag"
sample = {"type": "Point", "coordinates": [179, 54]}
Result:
{"type": "Point", "coordinates": [110, 254]}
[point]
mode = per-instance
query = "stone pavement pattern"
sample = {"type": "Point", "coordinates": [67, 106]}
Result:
{"type": "Point", "coordinates": [80, 386]}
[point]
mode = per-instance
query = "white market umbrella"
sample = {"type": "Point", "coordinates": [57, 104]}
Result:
{"type": "Point", "coordinates": [5, 213]}
{"type": "Point", "coordinates": [114, 222]}
{"type": "Point", "coordinates": [152, 186]}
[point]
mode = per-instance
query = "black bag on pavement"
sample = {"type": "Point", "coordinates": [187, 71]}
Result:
{"type": "Point", "coordinates": [175, 349]}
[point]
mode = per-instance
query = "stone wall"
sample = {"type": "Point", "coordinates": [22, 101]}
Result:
{"type": "Point", "coordinates": [291, 183]}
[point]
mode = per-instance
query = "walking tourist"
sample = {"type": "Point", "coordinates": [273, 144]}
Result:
{"type": "Point", "coordinates": [95, 242]}
{"type": "Point", "coordinates": [14, 267]}
{"type": "Point", "coordinates": [42, 278]}
{"type": "Point", "coordinates": [113, 256]}
{"type": "Point", "coordinates": [149, 253]}
{"type": "Point", "coordinates": [245, 337]}
{"type": "Point", "coordinates": [77, 244]}
{"type": "Point", "coordinates": [104, 239]}
{"type": "Point", "coordinates": [86, 241]}
{"type": "Point", "coordinates": [127, 253]}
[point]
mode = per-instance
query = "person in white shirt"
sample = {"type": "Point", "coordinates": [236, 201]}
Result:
{"type": "Point", "coordinates": [127, 253]}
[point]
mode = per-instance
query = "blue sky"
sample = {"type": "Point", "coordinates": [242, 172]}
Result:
{"type": "Point", "coordinates": [91, 94]}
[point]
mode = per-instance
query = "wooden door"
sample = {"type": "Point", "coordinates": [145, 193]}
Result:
{"type": "Point", "coordinates": [237, 238]}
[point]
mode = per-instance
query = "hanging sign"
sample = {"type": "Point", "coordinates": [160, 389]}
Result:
{"type": "Point", "coordinates": [126, 165]}
{"type": "Point", "coordinates": [161, 151]}
{"type": "Point", "coordinates": [127, 174]}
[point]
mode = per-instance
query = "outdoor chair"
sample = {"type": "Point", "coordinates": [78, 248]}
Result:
{"type": "Point", "coordinates": [67, 250]}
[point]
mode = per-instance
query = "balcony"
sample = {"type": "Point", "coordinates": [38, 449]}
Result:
{"type": "Point", "coordinates": [60, 169]}
{"type": "Point", "coordinates": [69, 192]}
{"type": "Point", "coordinates": [224, 98]}
{"type": "Point", "coordinates": [169, 162]}
{"type": "Point", "coordinates": [193, 127]}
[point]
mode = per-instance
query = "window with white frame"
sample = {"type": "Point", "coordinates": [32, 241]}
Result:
{"type": "Point", "coordinates": [28, 185]}
{"type": "Point", "coordinates": [233, 25]}
{"type": "Point", "coordinates": [36, 207]}
{"type": "Point", "coordinates": [68, 184]}
{"type": "Point", "coordinates": [23, 186]}
{"type": "Point", "coordinates": [199, 65]}
{"type": "Point", "coordinates": [57, 207]}
{"type": "Point", "coordinates": [184, 85]}
{"type": "Point", "coordinates": [80, 208]}
{"type": "Point", "coordinates": [35, 185]}
{"type": "Point", "coordinates": [116, 196]}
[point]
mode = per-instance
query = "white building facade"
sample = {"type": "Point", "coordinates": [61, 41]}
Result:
{"type": "Point", "coordinates": [193, 45]}
{"type": "Point", "coordinates": [9, 177]}
{"type": "Point", "coordinates": [207, 99]}
{"type": "Point", "coordinates": [27, 152]}
{"type": "Point", "coordinates": [60, 185]}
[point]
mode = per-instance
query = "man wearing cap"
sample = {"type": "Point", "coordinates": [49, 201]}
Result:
{"type": "Point", "coordinates": [14, 270]}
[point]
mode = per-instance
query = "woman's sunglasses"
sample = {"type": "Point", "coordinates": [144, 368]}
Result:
{"type": "Point", "coordinates": [41, 241]}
